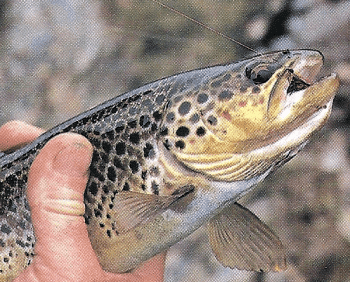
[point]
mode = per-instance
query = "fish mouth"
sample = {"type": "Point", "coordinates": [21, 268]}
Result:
{"type": "Point", "coordinates": [296, 84]}
{"type": "Point", "coordinates": [298, 94]}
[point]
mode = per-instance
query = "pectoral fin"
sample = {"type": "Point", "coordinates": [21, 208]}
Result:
{"type": "Point", "coordinates": [132, 208]}
{"type": "Point", "coordinates": [240, 240]}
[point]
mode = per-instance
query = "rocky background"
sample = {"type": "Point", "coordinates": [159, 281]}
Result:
{"type": "Point", "coordinates": [60, 57]}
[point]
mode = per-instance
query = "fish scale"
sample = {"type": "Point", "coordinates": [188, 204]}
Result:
{"type": "Point", "coordinates": [170, 148]}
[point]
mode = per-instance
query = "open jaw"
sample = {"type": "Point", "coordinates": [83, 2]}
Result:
{"type": "Point", "coordinates": [302, 99]}
{"type": "Point", "coordinates": [296, 84]}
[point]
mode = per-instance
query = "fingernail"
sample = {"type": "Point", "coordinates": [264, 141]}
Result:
{"type": "Point", "coordinates": [73, 160]}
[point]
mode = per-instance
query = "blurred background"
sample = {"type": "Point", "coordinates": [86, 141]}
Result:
{"type": "Point", "coordinates": [60, 57]}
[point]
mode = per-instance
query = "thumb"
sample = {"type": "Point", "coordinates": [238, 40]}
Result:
{"type": "Point", "coordinates": [56, 184]}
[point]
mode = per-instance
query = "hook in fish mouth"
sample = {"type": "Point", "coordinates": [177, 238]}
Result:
{"type": "Point", "coordinates": [296, 84]}
{"type": "Point", "coordinates": [298, 93]}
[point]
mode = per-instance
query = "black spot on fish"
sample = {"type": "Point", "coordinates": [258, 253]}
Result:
{"type": "Point", "coordinates": [194, 118]}
{"type": "Point", "coordinates": [157, 115]}
{"type": "Point", "coordinates": [134, 166]}
{"type": "Point", "coordinates": [93, 118]}
{"type": "Point", "coordinates": [154, 171]}
{"type": "Point", "coordinates": [170, 117]}
{"type": "Point", "coordinates": [155, 188]}
{"type": "Point", "coordinates": [5, 229]}
{"type": "Point", "coordinates": [200, 131]}
{"type": "Point", "coordinates": [148, 151]}
{"type": "Point", "coordinates": [110, 135]}
{"type": "Point", "coordinates": [202, 98]}
{"type": "Point", "coordinates": [118, 163]}
{"type": "Point", "coordinates": [120, 148]}
{"type": "Point", "coordinates": [256, 89]}
{"type": "Point", "coordinates": [134, 98]}
{"type": "Point", "coordinates": [87, 220]}
{"type": "Point", "coordinates": [225, 94]}
{"type": "Point", "coordinates": [119, 129]}
{"type": "Point", "coordinates": [167, 144]}
{"type": "Point", "coordinates": [163, 131]}
{"type": "Point", "coordinates": [134, 138]}
{"type": "Point", "coordinates": [93, 188]}
{"type": "Point", "coordinates": [109, 233]}
{"type": "Point", "coordinates": [111, 174]}
{"type": "Point", "coordinates": [104, 157]}
{"type": "Point", "coordinates": [126, 187]}
{"type": "Point", "coordinates": [114, 109]}
{"type": "Point", "coordinates": [145, 121]}
{"type": "Point", "coordinates": [212, 120]}
{"type": "Point", "coordinates": [105, 189]}
{"type": "Point", "coordinates": [182, 131]}
{"type": "Point", "coordinates": [154, 127]}
{"type": "Point", "coordinates": [132, 124]}
{"type": "Point", "coordinates": [184, 108]}
{"type": "Point", "coordinates": [95, 142]}
{"type": "Point", "coordinates": [20, 243]}
{"type": "Point", "coordinates": [180, 144]}
{"type": "Point", "coordinates": [216, 83]}
{"type": "Point", "coordinates": [97, 213]}
{"type": "Point", "coordinates": [11, 180]}
{"type": "Point", "coordinates": [106, 146]}
{"type": "Point", "coordinates": [94, 172]}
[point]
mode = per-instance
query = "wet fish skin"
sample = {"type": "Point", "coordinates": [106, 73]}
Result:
{"type": "Point", "coordinates": [147, 152]}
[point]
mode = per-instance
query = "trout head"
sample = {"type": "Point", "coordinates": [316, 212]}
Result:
{"type": "Point", "coordinates": [251, 115]}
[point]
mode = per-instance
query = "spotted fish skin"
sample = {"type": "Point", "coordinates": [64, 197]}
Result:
{"type": "Point", "coordinates": [123, 132]}
{"type": "Point", "coordinates": [137, 137]}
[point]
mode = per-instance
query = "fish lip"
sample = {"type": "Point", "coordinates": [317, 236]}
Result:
{"type": "Point", "coordinates": [308, 66]}
{"type": "Point", "coordinates": [299, 106]}
{"type": "Point", "coordinates": [304, 71]}
{"type": "Point", "coordinates": [304, 82]}
{"type": "Point", "coordinates": [306, 88]}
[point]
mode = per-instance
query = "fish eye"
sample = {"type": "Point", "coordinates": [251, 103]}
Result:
{"type": "Point", "coordinates": [259, 74]}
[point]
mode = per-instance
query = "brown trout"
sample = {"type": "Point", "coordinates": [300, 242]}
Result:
{"type": "Point", "coordinates": [177, 153]}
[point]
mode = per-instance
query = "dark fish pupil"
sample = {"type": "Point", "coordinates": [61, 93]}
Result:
{"type": "Point", "coordinates": [262, 76]}
{"type": "Point", "coordinates": [258, 76]}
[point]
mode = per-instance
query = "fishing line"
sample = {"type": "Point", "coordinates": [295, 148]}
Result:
{"type": "Point", "coordinates": [205, 26]}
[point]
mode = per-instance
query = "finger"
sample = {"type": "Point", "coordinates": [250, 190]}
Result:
{"type": "Point", "coordinates": [63, 251]}
{"type": "Point", "coordinates": [15, 134]}
{"type": "Point", "coordinates": [56, 183]}
{"type": "Point", "coordinates": [152, 270]}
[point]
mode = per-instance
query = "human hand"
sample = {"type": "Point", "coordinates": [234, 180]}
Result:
{"type": "Point", "coordinates": [56, 184]}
